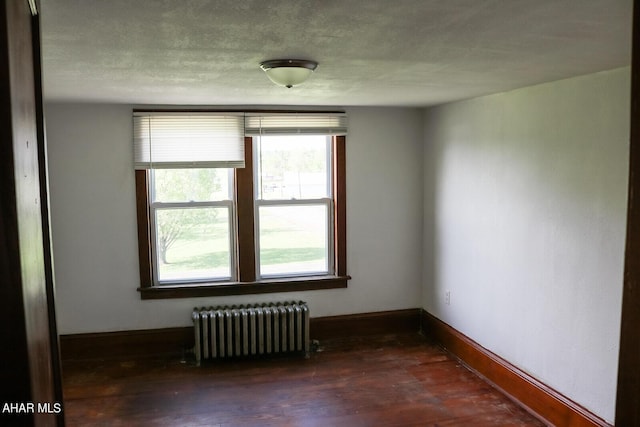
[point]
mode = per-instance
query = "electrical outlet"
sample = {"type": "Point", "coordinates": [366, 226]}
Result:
{"type": "Point", "coordinates": [447, 298]}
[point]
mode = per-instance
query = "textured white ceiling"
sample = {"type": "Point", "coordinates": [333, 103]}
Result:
{"type": "Point", "coordinates": [371, 52]}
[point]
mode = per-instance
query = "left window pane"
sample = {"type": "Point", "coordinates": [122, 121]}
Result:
{"type": "Point", "coordinates": [193, 244]}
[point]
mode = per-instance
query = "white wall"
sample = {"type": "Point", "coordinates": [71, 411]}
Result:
{"type": "Point", "coordinates": [94, 221]}
{"type": "Point", "coordinates": [525, 211]}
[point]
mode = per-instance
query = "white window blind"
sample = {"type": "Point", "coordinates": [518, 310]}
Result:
{"type": "Point", "coordinates": [295, 123]}
{"type": "Point", "coordinates": [188, 140]}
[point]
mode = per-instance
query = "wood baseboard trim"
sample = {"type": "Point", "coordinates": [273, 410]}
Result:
{"type": "Point", "coordinates": [350, 325]}
{"type": "Point", "coordinates": [150, 342]}
{"type": "Point", "coordinates": [108, 345]}
{"type": "Point", "coordinates": [535, 396]}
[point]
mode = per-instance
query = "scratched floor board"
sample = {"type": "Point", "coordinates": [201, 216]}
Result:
{"type": "Point", "coordinates": [387, 380]}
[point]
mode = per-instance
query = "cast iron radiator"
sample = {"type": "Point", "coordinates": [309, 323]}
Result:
{"type": "Point", "coordinates": [245, 330]}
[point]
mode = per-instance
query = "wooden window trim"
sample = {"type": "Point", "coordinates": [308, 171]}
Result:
{"type": "Point", "coordinates": [340, 201]}
{"type": "Point", "coordinates": [144, 230]}
{"type": "Point", "coordinates": [244, 215]}
{"type": "Point", "coordinates": [247, 283]}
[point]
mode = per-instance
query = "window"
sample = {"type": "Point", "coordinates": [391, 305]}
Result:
{"type": "Point", "coordinates": [277, 224]}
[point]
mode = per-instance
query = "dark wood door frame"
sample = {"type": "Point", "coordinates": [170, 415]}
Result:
{"type": "Point", "coordinates": [46, 220]}
{"type": "Point", "coordinates": [628, 394]}
{"type": "Point", "coordinates": [30, 368]}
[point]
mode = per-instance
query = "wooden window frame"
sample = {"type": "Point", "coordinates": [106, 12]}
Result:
{"type": "Point", "coordinates": [247, 281]}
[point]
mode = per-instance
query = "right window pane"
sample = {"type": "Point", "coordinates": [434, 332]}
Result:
{"type": "Point", "coordinates": [293, 240]}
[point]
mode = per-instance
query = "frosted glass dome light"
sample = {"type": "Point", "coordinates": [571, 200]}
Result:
{"type": "Point", "coordinates": [288, 72]}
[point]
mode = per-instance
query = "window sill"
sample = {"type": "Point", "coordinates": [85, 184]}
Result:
{"type": "Point", "coordinates": [244, 288]}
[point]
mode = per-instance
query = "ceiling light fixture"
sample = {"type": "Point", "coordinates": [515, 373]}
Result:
{"type": "Point", "coordinates": [288, 72]}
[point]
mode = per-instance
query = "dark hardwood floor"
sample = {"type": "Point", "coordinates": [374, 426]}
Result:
{"type": "Point", "coordinates": [384, 380]}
